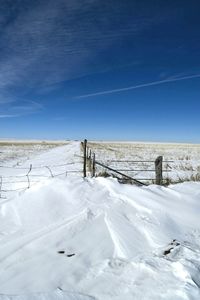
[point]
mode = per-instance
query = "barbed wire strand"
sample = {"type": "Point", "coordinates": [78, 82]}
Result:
{"type": "Point", "coordinates": [38, 167]}
{"type": "Point", "coordinates": [27, 175]}
{"type": "Point", "coordinates": [48, 168]}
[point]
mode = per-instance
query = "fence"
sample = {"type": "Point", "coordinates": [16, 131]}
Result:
{"type": "Point", "coordinates": [91, 163]}
{"type": "Point", "coordinates": [22, 178]}
{"type": "Point", "coordinates": [30, 176]}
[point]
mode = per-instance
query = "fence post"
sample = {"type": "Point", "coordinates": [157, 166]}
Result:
{"type": "Point", "coordinates": [84, 157]}
{"type": "Point", "coordinates": [90, 162]}
{"type": "Point", "coordinates": [93, 165]}
{"type": "Point", "coordinates": [158, 167]}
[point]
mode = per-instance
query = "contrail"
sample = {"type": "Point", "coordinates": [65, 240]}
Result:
{"type": "Point", "coordinates": [137, 86]}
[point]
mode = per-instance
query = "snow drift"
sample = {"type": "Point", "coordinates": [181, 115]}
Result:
{"type": "Point", "coordinates": [87, 239]}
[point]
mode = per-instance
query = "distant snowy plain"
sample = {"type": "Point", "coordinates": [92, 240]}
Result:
{"type": "Point", "coordinates": [66, 237]}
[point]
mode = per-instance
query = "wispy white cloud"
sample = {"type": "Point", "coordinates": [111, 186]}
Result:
{"type": "Point", "coordinates": [8, 116]}
{"type": "Point", "coordinates": [19, 108]}
{"type": "Point", "coordinates": [51, 41]}
{"type": "Point", "coordinates": [138, 86]}
{"type": "Point", "coordinates": [48, 41]}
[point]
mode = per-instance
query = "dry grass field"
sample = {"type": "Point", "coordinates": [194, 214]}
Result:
{"type": "Point", "coordinates": [181, 161]}
{"type": "Point", "coordinates": [21, 150]}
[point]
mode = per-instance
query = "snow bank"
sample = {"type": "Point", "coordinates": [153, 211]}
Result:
{"type": "Point", "coordinates": [72, 238]}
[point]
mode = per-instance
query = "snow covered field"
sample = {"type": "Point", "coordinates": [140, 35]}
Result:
{"type": "Point", "coordinates": [20, 150]}
{"type": "Point", "coordinates": [38, 161]}
{"type": "Point", "coordinates": [72, 238]}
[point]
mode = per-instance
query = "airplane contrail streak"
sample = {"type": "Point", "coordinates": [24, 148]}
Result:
{"type": "Point", "coordinates": [137, 86]}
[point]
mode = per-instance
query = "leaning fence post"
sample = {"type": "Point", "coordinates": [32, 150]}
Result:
{"type": "Point", "coordinates": [93, 165]}
{"type": "Point", "coordinates": [158, 169]}
{"type": "Point", "coordinates": [84, 157]}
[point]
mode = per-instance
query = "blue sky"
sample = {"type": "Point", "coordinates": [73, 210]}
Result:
{"type": "Point", "coordinates": [115, 70]}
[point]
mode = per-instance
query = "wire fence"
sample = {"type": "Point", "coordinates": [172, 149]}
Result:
{"type": "Point", "coordinates": [11, 183]}
{"type": "Point", "coordinates": [127, 170]}
{"type": "Point", "coordinates": [138, 166]}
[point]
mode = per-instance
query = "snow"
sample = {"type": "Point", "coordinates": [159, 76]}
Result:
{"type": "Point", "coordinates": [72, 238]}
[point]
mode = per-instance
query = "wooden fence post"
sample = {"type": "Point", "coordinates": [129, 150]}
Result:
{"type": "Point", "coordinates": [84, 157]}
{"type": "Point", "coordinates": [158, 167]}
{"type": "Point", "coordinates": [90, 162]}
{"type": "Point", "coordinates": [93, 165]}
